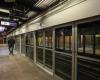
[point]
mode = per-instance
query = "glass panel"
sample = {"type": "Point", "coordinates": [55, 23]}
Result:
{"type": "Point", "coordinates": [39, 55]}
{"type": "Point", "coordinates": [30, 38]}
{"type": "Point", "coordinates": [48, 38]}
{"type": "Point", "coordinates": [23, 39]}
{"type": "Point", "coordinates": [89, 44]}
{"type": "Point", "coordinates": [86, 38]}
{"type": "Point", "coordinates": [48, 58]}
{"type": "Point", "coordinates": [64, 38]}
{"type": "Point", "coordinates": [17, 43]}
{"type": "Point", "coordinates": [63, 66]}
{"type": "Point", "coordinates": [29, 52]}
{"type": "Point", "coordinates": [60, 38]}
{"type": "Point", "coordinates": [80, 43]}
{"type": "Point", "coordinates": [27, 40]}
{"type": "Point", "coordinates": [23, 48]}
{"type": "Point", "coordinates": [98, 44]}
{"type": "Point", "coordinates": [67, 42]}
{"type": "Point", "coordinates": [39, 39]}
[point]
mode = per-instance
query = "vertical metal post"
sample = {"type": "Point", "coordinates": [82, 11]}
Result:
{"type": "Point", "coordinates": [44, 47]}
{"type": "Point", "coordinates": [84, 39]}
{"type": "Point", "coordinates": [34, 47]}
{"type": "Point", "coordinates": [20, 44]}
{"type": "Point", "coordinates": [74, 52]}
{"type": "Point", "coordinates": [94, 43]}
{"type": "Point", "coordinates": [53, 46]}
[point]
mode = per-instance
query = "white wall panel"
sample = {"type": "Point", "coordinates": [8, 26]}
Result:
{"type": "Point", "coordinates": [85, 9]}
{"type": "Point", "coordinates": [35, 26]}
{"type": "Point", "coordinates": [23, 29]}
{"type": "Point", "coordinates": [35, 20]}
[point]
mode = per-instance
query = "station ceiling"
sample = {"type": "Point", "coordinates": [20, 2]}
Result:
{"type": "Point", "coordinates": [15, 12]}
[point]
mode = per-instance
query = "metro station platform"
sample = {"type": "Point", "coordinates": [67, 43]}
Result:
{"type": "Point", "coordinates": [18, 67]}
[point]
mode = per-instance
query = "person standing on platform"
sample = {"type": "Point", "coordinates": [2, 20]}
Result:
{"type": "Point", "coordinates": [11, 43]}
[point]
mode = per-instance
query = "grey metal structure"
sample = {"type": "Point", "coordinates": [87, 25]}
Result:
{"type": "Point", "coordinates": [74, 55]}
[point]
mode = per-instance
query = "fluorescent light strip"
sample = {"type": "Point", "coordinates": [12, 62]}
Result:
{"type": "Point", "coordinates": [4, 10]}
{"type": "Point", "coordinates": [45, 3]}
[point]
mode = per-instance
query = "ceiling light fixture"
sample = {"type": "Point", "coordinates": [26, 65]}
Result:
{"type": "Point", "coordinates": [2, 28]}
{"type": "Point", "coordinates": [4, 10]}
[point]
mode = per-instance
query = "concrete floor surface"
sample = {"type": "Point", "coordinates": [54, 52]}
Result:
{"type": "Point", "coordinates": [18, 67]}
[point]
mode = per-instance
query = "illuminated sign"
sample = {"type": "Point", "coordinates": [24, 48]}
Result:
{"type": "Point", "coordinates": [5, 23]}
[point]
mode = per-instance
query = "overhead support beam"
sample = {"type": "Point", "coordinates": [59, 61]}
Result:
{"type": "Point", "coordinates": [4, 15]}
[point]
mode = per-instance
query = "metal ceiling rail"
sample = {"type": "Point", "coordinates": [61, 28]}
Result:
{"type": "Point", "coordinates": [45, 3]}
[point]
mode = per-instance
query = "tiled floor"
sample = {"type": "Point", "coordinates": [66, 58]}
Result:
{"type": "Point", "coordinates": [18, 67]}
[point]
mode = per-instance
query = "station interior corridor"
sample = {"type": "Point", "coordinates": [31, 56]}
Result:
{"type": "Point", "coordinates": [18, 67]}
{"type": "Point", "coordinates": [53, 39]}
